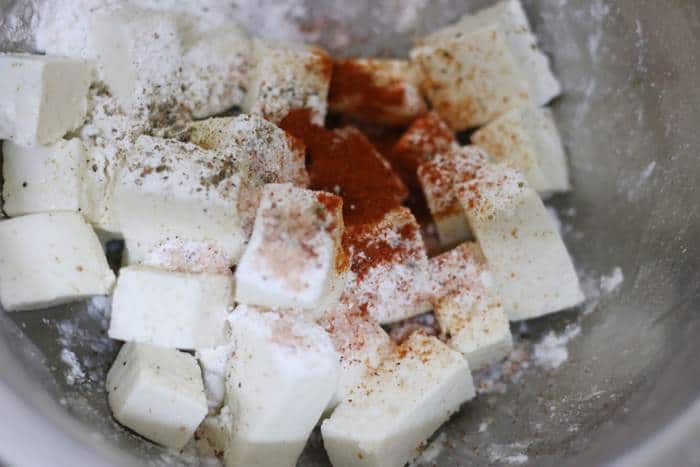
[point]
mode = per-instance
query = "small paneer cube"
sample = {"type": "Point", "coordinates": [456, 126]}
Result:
{"type": "Point", "coordinates": [282, 376]}
{"type": "Point", "coordinates": [389, 270]}
{"type": "Point", "coordinates": [467, 308]}
{"type": "Point", "coordinates": [43, 178]}
{"type": "Point", "coordinates": [287, 77]}
{"type": "Point", "coordinates": [97, 196]}
{"type": "Point", "coordinates": [484, 65]}
{"type": "Point", "coordinates": [49, 259]}
{"type": "Point", "coordinates": [528, 139]}
{"type": "Point", "coordinates": [177, 207]}
{"type": "Point", "coordinates": [398, 406]}
{"type": "Point", "coordinates": [384, 91]}
{"type": "Point", "coordinates": [214, 362]}
{"type": "Point", "coordinates": [171, 309]}
{"type": "Point", "coordinates": [157, 392]}
{"type": "Point", "coordinates": [41, 97]}
{"type": "Point", "coordinates": [532, 270]}
{"type": "Point", "coordinates": [295, 254]}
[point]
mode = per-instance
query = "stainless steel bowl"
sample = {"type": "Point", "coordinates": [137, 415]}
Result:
{"type": "Point", "coordinates": [629, 393]}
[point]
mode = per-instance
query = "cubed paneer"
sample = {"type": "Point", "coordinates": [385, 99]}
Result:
{"type": "Point", "coordinates": [171, 309]}
{"type": "Point", "coordinates": [399, 406]}
{"type": "Point", "coordinates": [467, 307]}
{"type": "Point", "coordinates": [41, 97]}
{"type": "Point", "coordinates": [438, 177]}
{"type": "Point", "coordinates": [177, 207]}
{"type": "Point", "coordinates": [286, 77]}
{"type": "Point", "coordinates": [389, 270]}
{"type": "Point", "coordinates": [97, 196]}
{"type": "Point", "coordinates": [484, 65]}
{"type": "Point", "coordinates": [43, 178]}
{"type": "Point", "coordinates": [157, 392]}
{"type": "Point", "coordinates": [295, 254]}
{"type": "Point", "coordinates": [281, 378]}
{"type": "Point", "coordinates": [214, 362]}
{"type": "Point", "coordinates": [49, 259]}
{"type": "Point", "coordinates": [532, 270]}
{"type": "Point", "coordinates": [528, 139]}
{"type": "Point", "coordinates": [384, 91]}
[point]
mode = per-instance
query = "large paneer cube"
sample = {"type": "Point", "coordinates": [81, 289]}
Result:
{"type": "Point", "coordinates": [43, 178]}
{"type": "Point", "coordinates": [171, 309]}
{"type": "Point", "coordinates": [41, 97]}
{"type": "Point", "coordinates": [397, 408]}
{"type": "Point", "coordinates": [281, 378]}
{"type": "Point", "coordinates": [286, 77]}
{"type": "Point", "coordinates": [157, 392]}
{"type": "Point", "coordinates": [484, 65]}
{"type": "Point", "coordinates": [531, 267]}
{"type": "Point", "coordinates": [528, 139]}
{"type": "Point", "coordinates": [295, 255]}
{"type": "Point", "coordinates": [177, 207]}
{"type": "Point", "coordinates": [49, 259]}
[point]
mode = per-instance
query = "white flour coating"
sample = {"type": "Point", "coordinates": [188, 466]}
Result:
{"type": "Point", "coordinates": [551, 352]}
{"type": "Point", "coordinates": [511, 454]}
{"type": "Point", "coordinates": [74, 373]}
{"type": "Point", "coordinates": [609, 283]}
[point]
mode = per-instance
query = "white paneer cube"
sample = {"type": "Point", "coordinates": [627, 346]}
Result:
{"type": "Point", "coordinates": [528, 139]}
{"type": "Point", "coordinates": [286, 77]}
{"type": "Point", "coordinates": [398, 407]}
{"type": "Point", "coordinates": [157, 392]}
{"type": "Point", "coordinates": [49, 259]}
{"type": "Point", "coordinates": [295, 254]}
{"type": "Point", "coordinates": [214, 362]}
{"type": "Point", "coordinates": [484, 65]}
{"type": "Point", "coordinates": [177, 207]}
{"type": "Point", "coordinates": [102, 165]}
{"type": "Point", "coordinates": [531, 267]}
{"type": "Point", "coordinates": [467, 308]}
{"type": "Point", "coordinates": [41, 98]}
{"type": "Point", "coordinates": [282, 376]}
{"type": "Point", "coordinates": [384, 91]}
{"type": "Point", "coordinates": [171, 309]}
{"type": "Point", "coordinates": [43, 178]}
{"type": "Point", "coordinates": [389, 272]}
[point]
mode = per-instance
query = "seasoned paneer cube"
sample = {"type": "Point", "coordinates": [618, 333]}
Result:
{"type": "Point", "coordinates": [171, 309]}
{"type": "Point", "coordinates": [157, 392]}
{"type": "Point", "coordinates": [43, 178]}
{"type": "Point", "coordinates": [484, 65]}
{"type": "Point", "coordinates": [532, 270]}
{"type": "Point", "coordinates": [177, 207]}
{"type": "Point", "coordinates": [286, 77]}
{"type": "Point", "coordinates": [384, 91]}
{"type": "Point", "coordinates": [438, 177]}
{"type": "Point", "coordinates": [528, 139]}
{"type": "Point", "coordinates": [41, 97]}
{"type": "Point", "coordinates": [282, 376]}
{"type": "Point", "coordinates": [214, 361]}
{"type": "Point", "coordinates": [295, 254]}
{"type": "Point", "coordinates": [467, 308]}
{"type": "Point", "coordinates": [397, 407]}
{"type": "Point", "coordinates": [49, 259]}
{"type": "Point", "coordinates": [389, 271]}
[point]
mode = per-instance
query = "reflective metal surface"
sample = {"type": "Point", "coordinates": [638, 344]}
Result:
{"type": "Point", "coordinates": [626, 395]}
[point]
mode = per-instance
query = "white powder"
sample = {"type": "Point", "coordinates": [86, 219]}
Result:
{"type": "Point", "coordinates": [508, 453]}
{"type": "Point", "coordinates": [551, 352]}
{"type": "Point", "coordinates": [609, 283]}
{"type": "Point", "coordinates": [75, 373]}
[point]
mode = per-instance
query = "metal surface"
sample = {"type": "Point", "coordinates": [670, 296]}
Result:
{"type": "Point", "coordinates": [630, 391]}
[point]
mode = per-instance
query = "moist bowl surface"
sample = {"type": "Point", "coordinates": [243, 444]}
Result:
{"type": "Point", "coordinates": [629, 392]}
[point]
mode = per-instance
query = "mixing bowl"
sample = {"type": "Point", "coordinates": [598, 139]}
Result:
{"type": "Point", "coordinates": [629, 392]}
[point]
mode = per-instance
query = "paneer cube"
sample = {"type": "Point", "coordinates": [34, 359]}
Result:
{"type": "Point", "coordinates": [97, 196]}
{"type": "Point", "coordinates": [484, 65]}
{"type": "Point", "coordinates": [282, 376]}
{"type": "Point", "coordinates": [157, 392]}
{"type": "Point", "coordinates": [214, 362]}
{"type": "Point", "coordinates": [384, 91]}
{"type": "Point", "coordinates": [389, 272]}
{"type": "Point", "coordinates": [171, 309]}
{"type": "Point", "coordinates": [528, 139]}
{"type": "Point", "coordinates": [41, 98]}
{"type": "Point", "coordinates": [49, 259]}
{"type": "Point", "coordinates": [467, 308]}
{"type": "Point", "coordinates": [295, 254]}
{"type": "Point", "coordinates": [397, 408]}
{"type": "Point", "coordinates": [288, 76]}
{"type": "Point", "coordinates": [43, 178]}
{"type": "Point", "coordinates": [532, 270]}
{"type": "Point", "coordinates": [177, 207]}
